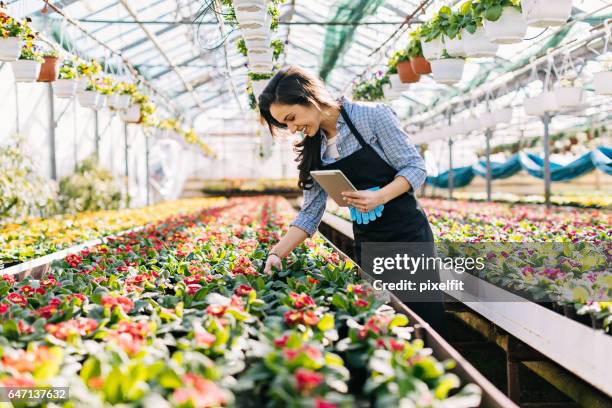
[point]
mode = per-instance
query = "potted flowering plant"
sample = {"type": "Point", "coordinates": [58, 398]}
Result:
{"type": "Point", "coordinates": [419, 64]}
{"type": "Point", "coordinates": [86, 71]}
{"type": "Point", "coordinates": [546, 13]}
{"type": "Point", "coordinates": [49, 70]}
{"type": "Point", "coordinates": [171, 129]}
{"type": "Point", "coordinates": [13, 32]}
{"type": "Point", "coordinates": [27, 67]}
{"type": "Point", "coordinates": [602, 81]}
{"type": "Point", "coordinates": [401, 60]}
{"type": "Point", "coordinates": [431, 40]}
{"type": "Point", "coordinates": [121, 98]}
{"type": "Point", "coordinates": [449, 24]}
{"type": "Point", "coordinates": [90, 96]}
{"type": "Point", "coordinates": [568, 90]}
{"type": "Point", "coordinates": [66, 84]}
{"type": "Point", "coordinates": [475, 42]}
{"type": "Point", "coordinates": [503, 21]}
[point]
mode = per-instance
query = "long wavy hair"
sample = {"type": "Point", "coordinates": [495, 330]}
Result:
{"type": "Point", "coordinates": [296, 86]}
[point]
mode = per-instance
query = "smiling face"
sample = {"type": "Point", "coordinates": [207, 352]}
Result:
{"type": "Point", "coordinates": [298, 118]}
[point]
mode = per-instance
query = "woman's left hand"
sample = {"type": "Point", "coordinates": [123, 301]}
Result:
{"type": "Point", "coordinates": [364, 200]}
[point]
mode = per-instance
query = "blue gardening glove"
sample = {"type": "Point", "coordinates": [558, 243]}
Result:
{"type": "Point", "coordinates": [364, 218]}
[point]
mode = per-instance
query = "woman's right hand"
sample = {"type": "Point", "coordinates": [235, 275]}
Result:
{"type": "Point", "coordinates": [273, 261]}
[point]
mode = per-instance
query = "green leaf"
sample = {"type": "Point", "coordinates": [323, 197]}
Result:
{"type": "Point", "coordinates": [494, 13]}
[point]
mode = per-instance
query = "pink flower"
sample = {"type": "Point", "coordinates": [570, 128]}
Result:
{"type": "Point", "coordinates": [193, 289]}
{"type": "Point", "coordinates": [307, 380]}
{"type": "Point", "coordinates": [3, 308]}
{"type": "Point", "coordinates": [117, 301]}
{"type": "Point", "coordinates": [216, 310]}
{"type": "Point", "coordinates": [18, 299]}
{"type": "Point", "coordinates": [80, 326]}
{"type": "Point", "coordinates": [319, 403]}
{"type": "Point", "coordinates": [243, 290]}
{"type": "Point", "coordinates": [199, 392]}
{"type": "Point", "coordinates": [281, 342]}
{"type": "Point", "coordinates": [204, 338]}
{"type": "Point", "coordinates": [73, 260]}
{"type": "Point", "coordinates": [362, 303]}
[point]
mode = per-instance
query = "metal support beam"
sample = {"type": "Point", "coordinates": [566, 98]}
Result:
{"type": "Point", "coordinates": [17, 125]}
{"type": "Point", "coordinates": [157, 44]}
{"type": "Point", "coordinates": [147, 177]}
{"type": "Point", "coordinates": [97, 134]}
{"type": "Point", "coordinates": [127, 163]}
{"type": "Point", "coordinates": [547, 180]}
{"type": "Point", "coordinates": [488, 135]}
{"type": "Point", "coordinates": [451, 175]}
{"type": "Point", "coordinates": [52, 133]}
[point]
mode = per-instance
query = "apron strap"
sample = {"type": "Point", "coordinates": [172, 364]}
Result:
{"type": "Point", "coordinates": [351, 126]}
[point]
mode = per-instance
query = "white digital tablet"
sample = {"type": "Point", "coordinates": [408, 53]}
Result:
{"type": "Point", "coordinates": [334, 182]}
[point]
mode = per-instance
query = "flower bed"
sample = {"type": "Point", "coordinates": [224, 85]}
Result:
{"type": "Point", "coordinates": [35, 237]}
{"type": "Point", "coordinates": [179, 312]}
{"type": "Point", "coordinates": [580, 280]}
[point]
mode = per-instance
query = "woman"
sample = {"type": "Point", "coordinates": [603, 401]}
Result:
{"type": "Point", "coordinates": [365, 142]}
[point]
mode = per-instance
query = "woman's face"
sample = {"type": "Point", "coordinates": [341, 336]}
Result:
{"type": "Point", "coordinates": [298, 118]}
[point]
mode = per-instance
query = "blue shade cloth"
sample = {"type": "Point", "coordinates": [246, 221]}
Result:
{"type": "Point", "coordinates": [462, 176]}
{"type": "Point", "coordinates": [499, 170]}
{"type": "Point", "coordinates": [600, 159]}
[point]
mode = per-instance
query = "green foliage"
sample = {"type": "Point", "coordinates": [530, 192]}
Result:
{"type": "Point", "coordinates": [397, 57]}
{"type": "Point", "coordinates": [493, 9]}
{"type": "Point", "coordinates": [415, 48]}
{"type": "Point", "coordinates": [28, 53]}
{"type": "Point", "coordinates": [23, 191]}
{"type": "Point", "coordinates": [370, 90]}
{"type": "Point", "coordinates": [90, 188]}
{"type": "Point", "coordinates": [241, 46]}
{"type": "Point", "coordinates": [256, 77]}
{"type": "Point", "coordinates": [67, 70]}
{"type": "Point", "coordinates": [277, 48]}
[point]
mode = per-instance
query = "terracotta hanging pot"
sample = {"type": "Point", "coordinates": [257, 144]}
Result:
{"type": "Point", "coordinates": [49, 70]}
{"type": "Point", "coordinates": [406, 73]}
{"type": "Point", "coordinates": [420, 65]}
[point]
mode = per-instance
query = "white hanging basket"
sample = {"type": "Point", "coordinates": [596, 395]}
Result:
{"type": "Point", "coordinates": [602, 83]}
{"type": "Point", "coordinates": [260, 56]}
{"type": "Point", "coordinates": [64, 88]}
{"type": "Point", "coordinates": [509, 29]}
{"type": "Point", "coordinates": [248, 17]}
{"type": "Point", "coordinates": [546, 13]}
{"type": "Point", "coordinates": [10, 48]}
{"type": "Point", "coordinates": [568, 97]}
{"type": "Point", "coordinates": [487, 120]}
{"type": "Point", "coordinates": [131, 114]}
{"type": "Point", "coordinates": [471, 124]}
{"type": "Point", "coordinates": [261, 68]}
{"type": "Point", "coordinates": [119, 101]}
{"type": "Point", "coordinates": [447, 71]}
{"type": "Point", "coordinates": [249, 5]}
{"type": "Point", "coordinates": [88, 99]}
{"type": "Point", "coordinates": [478, 45]}
{"type": "Point", "coordinates": [82, 84]}
{"type": "Point", "coordinates": [432, 49]}
{"type": "Point", "coordinates": [548, 101]}
{"type": "Point", "coordinates": [101, 102]}
{"type": "Point", "coordinates": [454, 47]}
{"type": "Point", "coordinates": [259, 86]}
{"type": "Point", "coordinates": [255, 27]}
{"type": "Point", "coordinates": [256, 43]}
{"type": "Point", "coordinates": [532, 106]}
{"type": "Point", "coordinates": [503, 115]}
{"type": "Point", "coordinates": [25, 70]}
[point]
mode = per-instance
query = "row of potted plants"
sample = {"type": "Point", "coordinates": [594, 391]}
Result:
{"type": "Point", "coordinates": [178, 315]}
{"type": "Point", "coordinates": [34, 237]}
{"type": "Point", "coordinates": [592, 200]}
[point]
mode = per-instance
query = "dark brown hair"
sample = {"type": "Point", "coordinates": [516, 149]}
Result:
{"type": "Point", "coordinates": [296, 86]}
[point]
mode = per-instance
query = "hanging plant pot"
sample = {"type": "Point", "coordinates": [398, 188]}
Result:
{"type": "Point", "coordinates": [568, 97]}
{"type": "Point", "coordinates": [25, 70]}
{"type": "Point", "coordinates": [447, 71]}
{"type": "Point", "coordinates": [248, 17]}
{"type": "Point", "coordinates": [82, 84]}
{"type": "Point", "coordinates": [118, 101]}
{"type": "Point", "coordinates": [406, 73]}
{"type": "Point", "coordinates": [88, 99]}
{"type": "Point", "coordinates": [101, 101]}
{"type": "Point", "coordinates": [131, 114]}
{"type": "Point", "coordinates": [256, 27]}
{"type": "Point", "coordinates": [260, 56]}
{"type": "Point", "coordinates": [432, 49]}
{"type": "Point", "coordinates": [548, 101]}
{"type": "Point", "coordinates": [420, 65]}
{"type": "Point", "coordinates": [10, 48]}
{"type": "Point", "coordinates": [477, 45]}
{"type": "Point", "coordinates": [546, 13]}
{"type": "Point", "coordinates": [257, 43]}
{"type": "Point", "coordinates": [503, 115]}
{"type": "Point", "coordinates": [261, 68]}
{"type": "Point", "coordinates": [64, 88]}
{"type": "Point", "coordinates": [487, 120]}
{"type": "Point", "coordinates": [471, 124]}
{"type": "Point", "coordinates": [602, 82]}
{"type": "Point", "coordinates": [454, 47]}
{"type": "Point", "coordinates": [259, 86]}
{"type": "Point", "coordinates": [249, 5]}
{"type": "Point", "coordinates": [49, 70]}
{"type": "Point", "coordinates": [532, 106]}
{"type": "Point", "coordinates": [510, 28]}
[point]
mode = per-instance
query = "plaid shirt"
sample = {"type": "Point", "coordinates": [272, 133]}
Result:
{"type": "Point", "coordinates": [381, 128]}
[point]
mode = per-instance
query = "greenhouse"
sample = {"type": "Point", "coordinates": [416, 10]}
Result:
{"type": "Point", "coordinates": [289, 203]}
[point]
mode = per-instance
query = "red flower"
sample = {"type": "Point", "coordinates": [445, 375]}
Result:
{"type": "Point", "coordinates": [3, 308]}
{"type": "Point", "coordinates": [243, 290]}
{"type": "Point", "coordinates": [193, 279]}
{"type": "Point", "coordinates": [10, 279]}
{"type": "Point", "coordinates": [282, 342]}
{"type": "Point", "coordinates": [121, 301]}
{"type": "Point", "coordinates": [27, 289]}
{"type": "Point", "coordinates": [73, 260]}
{"type": "Point", "coordinates": [18, 299]}
{"type": "Point", "coordinates": [199, 392]}
{"type": "Point", "coordinates": [204, 338]}
{"type": "Point", "coordinates": [310, 318]}
{"type": "Point", "coordinates": [290, 354]}
{"type": "Point", "coordinates": [80, 326]}
{"type": "Point", "coordinates": [293, 317]}
{"type": "Point", "coordinates": [50, 281]}
{"type": "Point", "coordinates": [307, 380]}
{"type": "Point", "coordinates": [79, 296]}
{"type": "Point", "coordinates": [24, 328]}
{"type": "Point", "coordinates": [47, 311]}
{"type": "Point", "coordinates": [313, 280]}
{"type": "Point", "coordinates": [301, 300]}
{"type": "Point", "coordinates": [362, 303]}
{"type": "Point", "coordinates": [319, 403]}
{"type": "Point", "coordinates": [193, 289]}
{"type": "Point", "coordinates": [216, 310]}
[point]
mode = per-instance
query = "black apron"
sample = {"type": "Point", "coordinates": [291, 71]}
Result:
{"type": "Point", "coordinates": [402, 220]}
